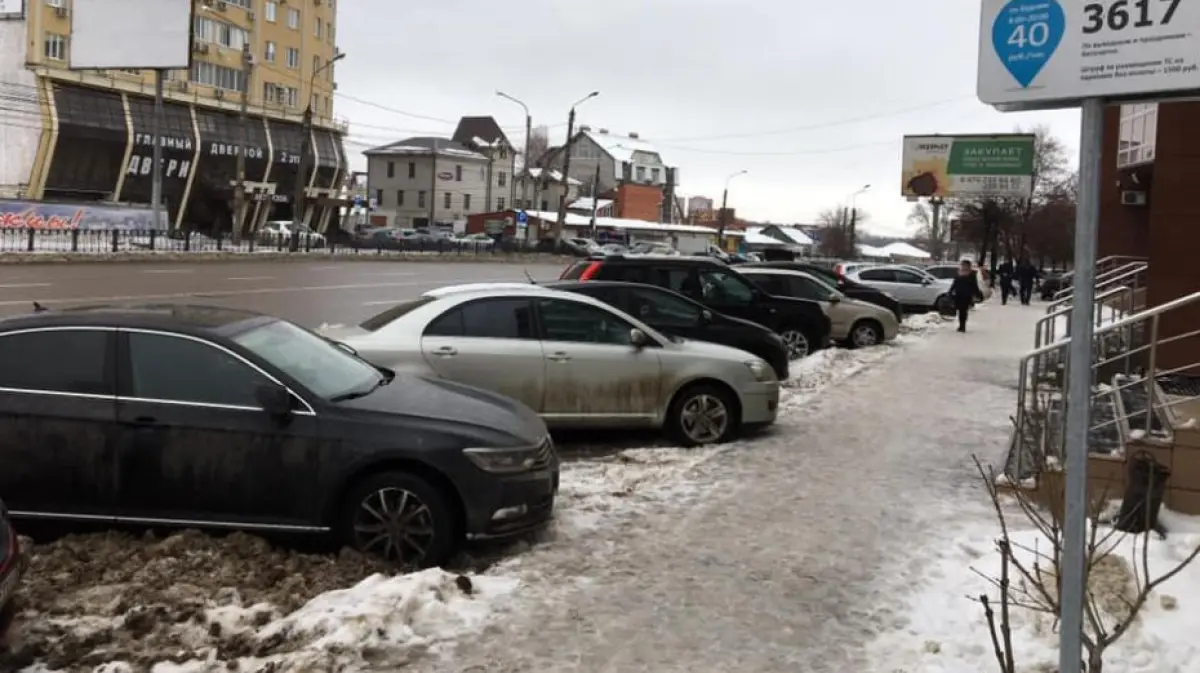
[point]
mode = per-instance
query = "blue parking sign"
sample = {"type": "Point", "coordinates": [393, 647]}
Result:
{"type": "Point", "coordinates": [522, 218]}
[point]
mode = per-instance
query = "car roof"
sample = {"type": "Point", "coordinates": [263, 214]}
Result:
{"type": "Point", "coordinates": [482, 288]}
{"type": "Point", "coordinates": [775, 271]}
{"type": "Point", "coordinates": [175, 317]}
{"type": "Point", "coordinates": [668, 259]}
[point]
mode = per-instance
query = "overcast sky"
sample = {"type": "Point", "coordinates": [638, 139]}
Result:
{"type": "Point", "coordinates": [811, 98]}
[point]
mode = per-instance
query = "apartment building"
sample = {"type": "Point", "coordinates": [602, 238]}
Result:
{"type": "Point", "coordinates": [87, 135]}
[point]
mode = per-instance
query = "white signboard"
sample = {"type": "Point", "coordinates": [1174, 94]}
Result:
{"type": "Point", "coordinates": [131, 34]}
{"type": "Point", "coordinates": [12, 9]}
{"type": "Point", "coordinates": [1054, 53]}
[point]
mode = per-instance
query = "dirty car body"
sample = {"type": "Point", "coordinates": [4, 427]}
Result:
{"type": "Point", "coordinates": [201, 416]}
{"type": "Point", "coordinates": [575, 360]}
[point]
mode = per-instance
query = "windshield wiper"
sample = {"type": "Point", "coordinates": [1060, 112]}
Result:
{"type": "Point", "coordinates": [356, 394]}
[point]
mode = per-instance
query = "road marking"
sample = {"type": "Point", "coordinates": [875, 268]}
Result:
{"type": "Point", "coordinates": [168, 271]}
{"type": "Point", "coordinates": [384, 302]}
{"type": "Point", "coordinates": [17, 286]}
{"type": "Point", "coordinates": [395, 273]}
{"type": "Point", "coordinates": [251, 278]}
{"type": "Point", "coordinates": [212, 294]}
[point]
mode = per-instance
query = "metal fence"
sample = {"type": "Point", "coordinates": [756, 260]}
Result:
{"type": "Point", "coordinates": [112, 241]}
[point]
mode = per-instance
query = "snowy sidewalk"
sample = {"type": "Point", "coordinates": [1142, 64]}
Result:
{"type": "Point", "coordinates": [803, 546]}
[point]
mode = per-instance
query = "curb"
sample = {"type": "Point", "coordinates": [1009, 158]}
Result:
{"type": "Point", "coordinates": [31, 258]}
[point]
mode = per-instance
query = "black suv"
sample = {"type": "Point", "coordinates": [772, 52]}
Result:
{"type": "Point", "coordinates": [850, 288]}
{"type": "Point", "coordinates": [802, 323]}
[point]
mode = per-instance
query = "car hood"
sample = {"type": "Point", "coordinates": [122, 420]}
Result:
{"type": "Point", "coordinates": [454, 403]}
{"type": "Point", "coordinates": [868, 307]}
{"type": "Point", "coordinates": [709, 350]}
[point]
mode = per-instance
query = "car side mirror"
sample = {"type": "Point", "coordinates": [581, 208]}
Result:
{"type": "Point", "coordinates": [835, 298]}
{"type": "Point", "coordinates": [638, 338]}
{"type": "Point", "coordinates": [275, 400]}
{"type": "Point", "coordinates": [926, 281]}
{"type": "Point", "coordinates": [706, 316]}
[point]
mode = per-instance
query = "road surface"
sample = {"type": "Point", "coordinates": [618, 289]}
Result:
{"type": "Point", "coordinates": [310, 293]}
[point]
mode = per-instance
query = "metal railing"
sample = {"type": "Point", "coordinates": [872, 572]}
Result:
{"type": "Point", "coordinates": [1107, 263]}
{"type": "Point", "coordinates": [1126, 274]}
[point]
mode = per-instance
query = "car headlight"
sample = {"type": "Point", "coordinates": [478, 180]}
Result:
{"type": "Point", "coordinates": [506, 461]}
{"type": "Point", "coordinates": [762, 371]}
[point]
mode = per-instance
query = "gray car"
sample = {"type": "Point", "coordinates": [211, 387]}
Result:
{"type": "Point", "coordinates": [576, 361]}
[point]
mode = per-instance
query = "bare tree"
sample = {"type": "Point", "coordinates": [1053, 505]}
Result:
{"type": "Point", "coordinates": [934, 236]}
{"type": "Point", "coordinates": [1030, 578]}
{"type": "Point", "coordinates": [835, 233]}
{"type": "Point", "coordinates": [539, 142]}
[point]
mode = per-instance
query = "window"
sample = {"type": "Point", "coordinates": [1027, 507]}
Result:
{"type": "Point", "coordinates": [770, 283]}
{"type": "Point", "coordinates": [412, 170]}
{"type": "Point", "coordinates": [400, 198]}
{"type": "Point", "coordinates": [391, 169]}
{"type": "Point", "coordinates": [446, 198]}
{"type": "Point", "coordinates": [878, 275]}
{"type": "Point", "coordinates": [458, 173]}
{"type": "Point", "coordinates": [56, 47]}
{"type": "Point", "coordinates": [316, 63]}
{"type": "Point", "coordinates": [500, 203]}
{"type": "Point", "coordinates": [502, 178]}
{"type": "Point", "coordinates": [909, 277]}
{"type": "Point", "coordinates": [381, 320]}
{"type": "Point", "coordinates": [486, 319]}
{"type": "Point", "coordinates": [545, 205]}
{"type": "Point", "coordinates": [209, 375]}
{"type": "Point", "coordinates": [220, 33]}
{"type": "Point", "coordinates": [316, 364]}
{"type": "Point", "coordinates": [662, 309]}
{"type": "Point", "coordinates": [1138, 135]}
{"type": "Point", "coordinates": [56, 3]}
{"type": "Point", "coordinates": [807, 288]}
{"type": "Point", "coordinates": [641, 173]}
{"type": "Point", "coordinates": [270, 9]}
{"type": "Point", "coordinates": [379, 197]}
{"type": "Point", "coordinates": [654, 175]}
{"type": "Point", "coordinates": [421, 199]}
{"type": "Point", "coordinates": [211, 74]}
{"type": "Point", "coordinates": [466, 202]}
{"type": "Point", "coordinates": [577, 322]}
{"type": "Point", "coordinates": [269, 53]}
{"type": "Point", "coordinates": [725, 287]}
{"type": "Point", "coordinates": [63, 361]}
{"type": "Point", "coordinates": [293, 58]}
{"type": "Point", "coordinates": [317, 28]}
{"type": "Point", "coordinates": [293, 18]}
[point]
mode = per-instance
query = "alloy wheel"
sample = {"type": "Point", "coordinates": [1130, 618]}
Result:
{"type": "Point", "coordinates": [394, 524]}
{"type": "Point", "coordinates": [797, 344]}
{"type": "Point", "coordinates": [704, 418]}
{"type": "Point", "coordinates": [864, 335]}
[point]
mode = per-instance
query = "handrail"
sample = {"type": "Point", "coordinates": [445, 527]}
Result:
{"type": "Point", "coordinates": [1104, 260]}
{"type": "Point", "coordinates": [1125, 271]}
{"type": "Point", "coordinates": [1046, 322]}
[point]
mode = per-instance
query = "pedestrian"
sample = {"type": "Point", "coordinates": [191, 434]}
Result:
{"type": "Point", "coordinates": [1025, 273]}
{"type": "Point", "coordinates": [1006, 281]}
{"type": "Point", "coordinates": [965, 291]}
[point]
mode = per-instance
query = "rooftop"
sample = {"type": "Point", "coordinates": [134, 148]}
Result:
{"type": "Point", "coordinates": [551, 176]}
{"type": "Point", "coordinates": [426, 145]}
{"type": "Point", "coordinates": [621, 147]}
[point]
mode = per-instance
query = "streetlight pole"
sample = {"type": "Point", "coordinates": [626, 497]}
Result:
{"type": "Point", "coordinates": [566, 167]}
{"type": "Point", "coordinates": [724, 219]}
{"type": "Point", "coordinates": [306, 133]}
{"type": "Point", "coordinates": [852, 238]}
{"type": "Point", "coordinates": [239, 189]}
{"type": "Point", "coordinates": [526, 160]}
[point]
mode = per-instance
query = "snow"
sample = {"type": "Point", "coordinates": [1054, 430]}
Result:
{"type": "Point", "coordinates": [1103, 315]}
{"type": "Point", "coordinates": [947, 631]}
{"type": "Point", "coordinates": [901, 249]}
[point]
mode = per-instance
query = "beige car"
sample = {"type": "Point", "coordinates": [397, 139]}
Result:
{"type": "Point", "coordinates": [854, 323]}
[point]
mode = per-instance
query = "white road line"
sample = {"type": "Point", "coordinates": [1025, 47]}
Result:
{"type": "Point", "coordinates": [18, 286]}
{"type": "Point", "coordinates": [387, 302]}
{"type": "Point", "coordinates": [251, 278]}
{"type": "Point", "coordinates": [210, 294]}
{"type": "Point", "coordinates": [181, 271]}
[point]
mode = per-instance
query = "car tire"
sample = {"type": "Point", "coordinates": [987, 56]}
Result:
{"type": "Point", "coordinates": [944, 306]}
{"type": "Point", "coordinates": [865, 333]}
{"type": "Point", "coordinates": [425, 519]}
{"type": "Point", "coordinates": [800, 344]}
{"type": "Point", "coordinates": [703, 401]}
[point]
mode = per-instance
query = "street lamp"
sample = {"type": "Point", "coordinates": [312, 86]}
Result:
{"type": "Point", "coordinates": [851, 239]}
{"type": "Point", "coordinates": [725, 209]}
{"type": "Point", "coordinates": [302, 169]}
{"type": "Point", "coordinates": [528, 134]}
{"type": "Point", "coordinates": [566, 166]}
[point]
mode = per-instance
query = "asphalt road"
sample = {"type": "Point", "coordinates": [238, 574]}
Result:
{"type": "Point", "coordinates": [308, 293]}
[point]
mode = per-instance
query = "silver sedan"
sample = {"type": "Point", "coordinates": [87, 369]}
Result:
{"type": "Point", "coordinates": [574, 360]}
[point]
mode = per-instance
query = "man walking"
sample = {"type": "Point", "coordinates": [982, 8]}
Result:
{"type": "Point", "coordinates": [1025, 273]}
{"type": "Point", "coordinates": [1006, 281]}
{"type": "Point", "coordinates": [965, 291]}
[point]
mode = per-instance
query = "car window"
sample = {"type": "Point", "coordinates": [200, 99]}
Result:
{"type": "Point", "coordinates": [661, 309]}
{"type": "Point", "coordinates": [486, 319]}
{"type": "Point", "coordinates": [62, 361]}
{"type": "Point", "coordinates": [769, 283]}
{"type": "Point", "coordinates": [177, 369]}
{"type": "Point", "coordinates": [577, 322]}
{"type": "Point", "coordinates": [806, 288]}
{"type": "Point", "coordinates": [380, 320]}
{"type": "Point", "coordinates": [725, 287]}
{"type": "Point", "coordinates": [903, 276]}
{"type": "Point", "coordinates": [880, 275]}
{"type": "Point", "coordinates": [314, 362]}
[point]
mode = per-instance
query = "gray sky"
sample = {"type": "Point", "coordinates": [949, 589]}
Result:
{"type": "Point", "coordinates": [811, 98]}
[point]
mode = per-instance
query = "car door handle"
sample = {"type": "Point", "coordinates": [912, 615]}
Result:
{"type": "Point", "coordinates": [558, 356]}
{"type": "Point", "coordinates": [445, 351]}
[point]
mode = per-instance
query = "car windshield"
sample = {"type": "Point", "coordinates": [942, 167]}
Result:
{"type": "Point", "coordinates": [379, 320]}
{"type": "Point", "coordinates": [316, 363]}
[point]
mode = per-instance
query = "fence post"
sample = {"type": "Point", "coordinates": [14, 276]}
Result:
{"type": "Point", "coordinates": [74, 240]}
{"type": "Point", "coordinates": [116, 240]}
{"type": "Point", "coordinates": [29, 243]}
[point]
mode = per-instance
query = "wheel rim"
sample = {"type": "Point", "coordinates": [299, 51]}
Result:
{"type": "Point", "coordinates": [394, 524]}
{"type": "Point", "coordinates": [864, 335]}
{"type": "Point", "coordinates": [796, 342]}
{"type": "Point", "coordinates": [704, 419]}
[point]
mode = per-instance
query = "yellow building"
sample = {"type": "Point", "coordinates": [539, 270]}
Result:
{"type": "Point", "coordinates": [91, 138]}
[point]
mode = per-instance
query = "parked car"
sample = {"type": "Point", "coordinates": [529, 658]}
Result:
{"type": "Point", "coordinates": [1052, 284]}
{"type": "Point", "coordinates": [847, 269]}
{"type": "Point", "coordinates": [575, 360]}
{"type": "Point", "coordinates": [950, 272]}
{"type": "Point", "coordinates": [918, 293]}
{"type": "Point", "coordinates": [279, 233]}
{"type": "Point", "coordinates": [210, 417]}
{"type": "Point", "coordinates": [675, 315]}
{"type": "Point", "coordinates": [652, 248]}
{"type": "Point", "coordinates": [12, 567]}
{"type": "Point", "coordinates": [802, 324]}
{"type": "Point", "coordinates": [855, 323]}
{"type": "Point", "coordinates": [851, 288]}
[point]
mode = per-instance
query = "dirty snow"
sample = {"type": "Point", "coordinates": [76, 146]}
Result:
{"type": "Point", "coordinates": [947, 632]}
{"type": "Point", "coordinates": [650, 547]}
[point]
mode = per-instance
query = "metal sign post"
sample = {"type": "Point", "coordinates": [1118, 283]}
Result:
{"type": "Point", "coordinates": [1053, 54]}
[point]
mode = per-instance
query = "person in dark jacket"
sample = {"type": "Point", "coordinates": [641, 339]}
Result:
{"type": "Point", "coordinates": [1006, 281]}
{"type": "Point", "coordinates": [964, 291]}
{"type": "Point", "coordinates": [1025, 274]}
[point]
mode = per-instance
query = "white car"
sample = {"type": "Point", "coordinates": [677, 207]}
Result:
{"type": "Point", "coordinates": [575, 360]}
{"type": "Point", "coordinates": [916, 290]}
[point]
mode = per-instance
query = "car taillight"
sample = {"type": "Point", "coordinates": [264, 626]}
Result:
{"type": "Point", "coordinates": [838, 269]}
{"type": "Point", "coordinates": [591, 271]}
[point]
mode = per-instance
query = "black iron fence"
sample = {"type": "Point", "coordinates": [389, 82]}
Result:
{"type": "Point", "coordinates": [115, 241]}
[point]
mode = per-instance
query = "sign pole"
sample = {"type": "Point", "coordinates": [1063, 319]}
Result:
{"type": "Point", "coordinates": [1079, 389]}
{"type": "Point", "coordinates": [156, 176]}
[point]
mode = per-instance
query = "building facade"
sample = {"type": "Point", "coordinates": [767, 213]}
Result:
{"type": "Point", "coordinates": [699, 204]}
{"type": "Point", "coordinates": [86, 136]}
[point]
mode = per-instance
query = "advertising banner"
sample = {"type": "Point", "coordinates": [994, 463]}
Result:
{"type": "Point", "coordinates": [967, 166]}
{"type": "Point", "coordinates": [16, 214]}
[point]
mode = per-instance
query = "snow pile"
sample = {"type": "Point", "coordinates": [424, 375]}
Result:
{"type": "Point", "coordinates": [947, 631]}
{"type": "Point", "coordinates": [922, 323]}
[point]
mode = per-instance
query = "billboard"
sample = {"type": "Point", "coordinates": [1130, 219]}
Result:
{"type": "Point", "coordinates": [131, 34]}
{"type": "Point", "coordinates": [12, 9]}
{"type": "Point", "coordinates": [67, 216]}
{"type": "Point", "coordinates": [967, 166]}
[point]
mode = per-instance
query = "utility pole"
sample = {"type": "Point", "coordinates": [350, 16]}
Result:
{"type": "Point", "coordinates": [156, 158]}
{"type": "Point", "coordinates": [239, 189]}
{"type": "Point", "coordinates": [853, 242]}
{"type": "Point", "coordinates": [723, 218]}
{"type": "Point", "coordinates": [433, 184]}
{"type": "Point", "coordinates": [306, 132]}
{"type": "Point", "coordinates": [935, 231]}
{"type": "Point", "coordinates": [595, 193]}
{"type": "Point", "coordinates": [566, 167]}
{"type": "Point", "coordinates": [487, 190]}
{"type": "Point", "coordinates": [527, 161]}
